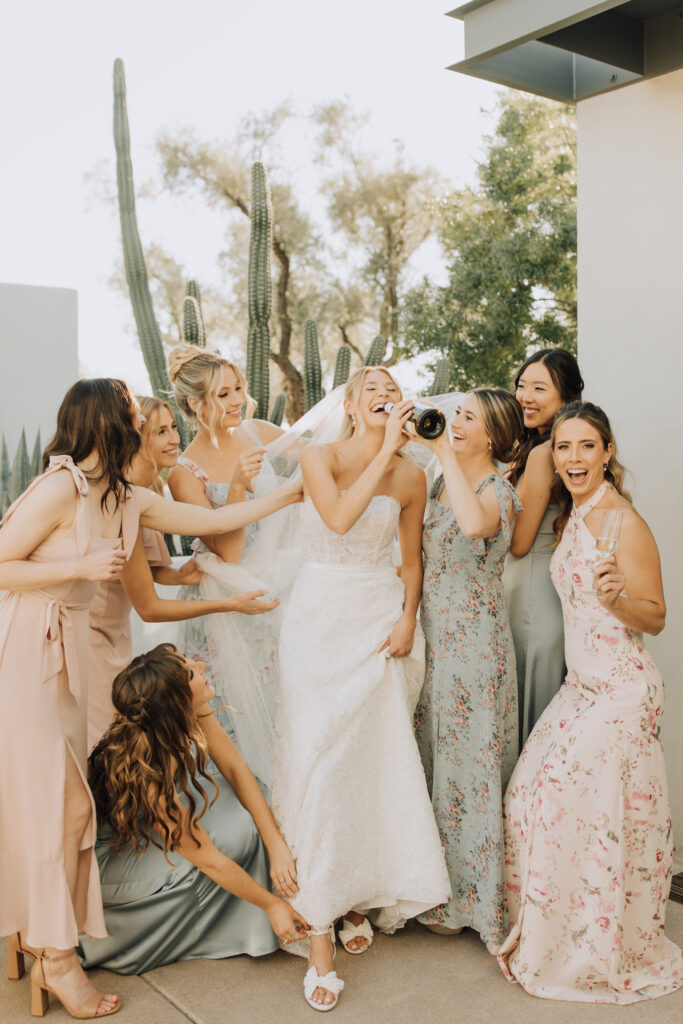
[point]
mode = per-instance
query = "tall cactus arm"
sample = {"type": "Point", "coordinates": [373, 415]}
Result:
{"type": "Point", "coordinates": [278, 411]}
{"type": "Point", "coordinates": [342, 366]}
{"type": "Point", "coordinates": [313, 384]}
{"type": "Point", "coordinates": [133, 256]}
{"type": "Point", "coordinates": [260, 292]}
{"type": "Point", "coordinates": [442, 376]}
{"type": "Point", "coordinates": [193, 327]}
{"type": "Point", "coordinates": [192, 292]}
{"type": "Point", "coordinates": [376, 352]}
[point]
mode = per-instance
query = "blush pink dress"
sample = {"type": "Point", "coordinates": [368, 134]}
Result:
{"type": "Point", "coordinates": [44, 644]}
{"type": "Point", "coordinates": [587, 820]}
{"type": "Point", "coordinates": [111, 645]}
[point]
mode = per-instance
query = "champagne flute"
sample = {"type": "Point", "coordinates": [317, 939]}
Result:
{"type": "Point", "coordinates": [608, 535]}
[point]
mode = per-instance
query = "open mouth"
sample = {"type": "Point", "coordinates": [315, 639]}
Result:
{"type": "Point", "coordinates": [457, 437]}
{"type": "Point", "coordinates": [377, 408]}
{"type": "Point", "coordinates": [577, 476]}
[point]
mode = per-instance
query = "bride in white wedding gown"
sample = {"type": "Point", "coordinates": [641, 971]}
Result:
{"type": "Point", "coordinates": [349, 792]}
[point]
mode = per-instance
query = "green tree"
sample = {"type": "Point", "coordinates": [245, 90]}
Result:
{"type": "Point", "coordinates": [510, 246]}
{"type": "Point", "coordinates": [383, 212]}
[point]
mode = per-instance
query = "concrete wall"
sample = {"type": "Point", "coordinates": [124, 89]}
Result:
{"type": "Point", "coordinates": [38, 358]}
{"type": "Point", "coordinates": [631, 332]}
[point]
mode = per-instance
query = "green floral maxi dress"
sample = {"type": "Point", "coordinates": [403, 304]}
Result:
{"type": "Point", "coordinates": [466, 718]}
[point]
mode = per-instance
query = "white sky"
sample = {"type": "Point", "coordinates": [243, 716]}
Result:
{"type": "Point", "coordinates": [202, 64]}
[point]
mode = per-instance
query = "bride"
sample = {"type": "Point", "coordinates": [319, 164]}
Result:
{"type": "Point", "coordinates": [349, 793]}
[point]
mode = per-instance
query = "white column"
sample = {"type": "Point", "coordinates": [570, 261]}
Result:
{"type": "Point", "coordinates": [631, 333]}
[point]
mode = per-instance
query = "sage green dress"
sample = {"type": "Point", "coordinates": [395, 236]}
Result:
{"type": "Point", "coordinates": [535, 615]}
{"type": "Point", "coordinates": [158, 912]}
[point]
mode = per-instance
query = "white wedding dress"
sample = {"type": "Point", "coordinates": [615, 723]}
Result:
{"type": "Point", "coordinates": [349, 792]}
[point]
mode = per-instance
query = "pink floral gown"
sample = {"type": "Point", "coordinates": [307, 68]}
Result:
{"type": "Point", "coordinates": [587, 821]}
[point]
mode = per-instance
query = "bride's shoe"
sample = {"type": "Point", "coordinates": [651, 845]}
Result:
{"type": "Point", "coordinates": [330, 982]}
{"type": "Point", "coordinates": [350, 931]}
{"type": "Point", "coordinates": [16, 952]}
{"type": "Point", "coordinates": [40, 999]}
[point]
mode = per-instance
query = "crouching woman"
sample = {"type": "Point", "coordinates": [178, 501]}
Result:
{"type": "Point", "coordinates": [184, 859]}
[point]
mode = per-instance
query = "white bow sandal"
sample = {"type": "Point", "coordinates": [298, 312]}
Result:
{"type": "Point", "coordinates": [349, 931]}
{"type": "Point", "coordinates": [330, 982]}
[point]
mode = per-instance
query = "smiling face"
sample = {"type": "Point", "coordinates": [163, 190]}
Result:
{"type": "Point", "coordinates": [224, 405]}
{"type": "Point", "coordinates": [376, 388]}
{"type": "Point", "coordinates": [161, 439]}
{"type": "Point", "coordinates": [201, 688]}
{"type": "Point", "coordinates": [538, 396]}
{"type": "Point", "coordinates": [467, 428]}
{"type": "Point", "coordinates": [580, 457]}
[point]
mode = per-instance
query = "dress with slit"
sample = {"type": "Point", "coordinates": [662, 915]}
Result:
{"type": "Point", "coordinates": [588, 840]}
{"type": "Point", "coordinates": [44, 645]}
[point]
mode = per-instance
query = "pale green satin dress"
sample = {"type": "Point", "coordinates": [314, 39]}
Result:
{"type": "Point", "coordinates": [535, 615]}
{"type": "Point", "coordinates": [157, 913]}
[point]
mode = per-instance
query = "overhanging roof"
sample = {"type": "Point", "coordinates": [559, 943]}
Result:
{"type": "Point", "coordinates": [570, 49]}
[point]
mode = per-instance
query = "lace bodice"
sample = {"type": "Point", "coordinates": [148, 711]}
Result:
{"type": "Point", "coordinates": [368, 542]}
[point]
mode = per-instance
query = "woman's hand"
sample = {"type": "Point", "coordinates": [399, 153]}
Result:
{"type": "Point", "coordinates": [282, 869]}
{"type": "Point", "coordinates": [286, 922]}
{"type": "Point", "coordinates": [608, 581]}
{"type": "Point", "coordinates": [399, 643]}
{"type": "Point", "coordinates": [396, 434]}
{"type": "Point", "coordinates": [248, 467]}
{"type": "Point", "coordinates": [104, 564]}
{"type": "Point", "coordinates": [189, 572]}
{"type": "Point", "coordinates": [249, 604]}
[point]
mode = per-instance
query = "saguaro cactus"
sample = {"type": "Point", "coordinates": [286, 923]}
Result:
{"type": "Point", "coordinates": [133, 256]}
{"type": "Point", "coordinates": [376, 352]}
{"type": "Point", "coordinates": [313, 376]}
{"type": "Point", "coordinates": [193, 326]}
{"type": "Point", "coordinates": [20, 475]}
{"type": "Point", "coordinates": [342, 366]}
{"type": "Point", "coordinates": [442, 375]}
{"type": "Point", "coordinates": [278, 411]}
{"type": "Point", "coordinates": [259, 291]}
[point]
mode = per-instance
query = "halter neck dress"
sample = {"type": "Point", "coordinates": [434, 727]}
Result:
{"type": "Point", "coordinates": [588, 837]}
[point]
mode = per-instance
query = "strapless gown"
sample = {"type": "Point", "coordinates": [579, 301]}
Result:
{"type": "Point", "coordinates": [349, 792]}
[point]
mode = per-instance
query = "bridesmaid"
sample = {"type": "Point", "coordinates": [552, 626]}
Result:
{"type": "Point", "coordinates": [182, 855]}
{"type": "Point", "coordinates": [548, 380]}
{"type": "Point", "coordinates": [218, 468]}
{"type": "Point", "coordinates": [466, 718]}
{"type": "Point", "coordinates": [149, 563]}
{"type": "Point", "coordinates": [588, 825]}
{"type": "Point", "coordinates": [72, 527]}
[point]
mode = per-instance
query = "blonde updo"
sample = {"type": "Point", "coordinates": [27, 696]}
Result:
{"type": "Point", "coordinates": [353, 389]}
{"type": "Point", "coordinates": [195, 373]}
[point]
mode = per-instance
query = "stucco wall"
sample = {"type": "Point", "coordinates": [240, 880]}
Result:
{"type": "Point", "coordinates": [38, 358]}
{"type": "Point", "coordinates": [631, 332]}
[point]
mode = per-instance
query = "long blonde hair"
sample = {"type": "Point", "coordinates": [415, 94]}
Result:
{"type": "Point", "coordinates": [195, 373]}
{"type": "Point", "coordinates": [353, 389]}
{"type": "Point", "coordinates": [614, 473]}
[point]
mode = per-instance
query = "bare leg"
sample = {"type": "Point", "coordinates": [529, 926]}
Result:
{"type": "Point", "coordinates": [67, 977]}
{"type": "Point", "coordinates": [321, 959]}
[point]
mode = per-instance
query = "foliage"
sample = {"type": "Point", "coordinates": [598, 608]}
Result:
{"type": "Point", "coordinates": [511, 250]}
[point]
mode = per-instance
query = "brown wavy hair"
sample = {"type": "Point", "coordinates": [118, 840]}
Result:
{"type": "Point", "coordinates": [615, 472]}
{"type": "Point", "coordinates": [566, 376]}
{"type": "Point", "coordinates": [97, 415]}
{"type": "Point", "coordinates": [153, 753]}
{"type": "Point", "coordinates": [502, 418]}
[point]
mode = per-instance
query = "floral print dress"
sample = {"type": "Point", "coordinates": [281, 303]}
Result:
{"type": "Point", "coordinates": [466, 718]}
{"type": "Point", "coordinates": [588, 827]}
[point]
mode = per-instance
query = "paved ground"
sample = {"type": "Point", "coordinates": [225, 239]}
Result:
{"type": "Point", "coordinates": [411, 976]}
